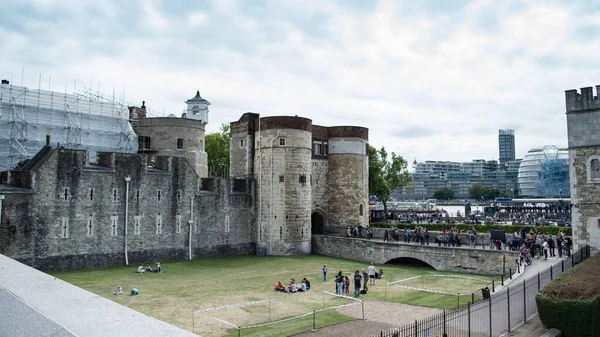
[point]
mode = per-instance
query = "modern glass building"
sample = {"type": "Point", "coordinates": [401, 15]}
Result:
{"type": "Point", "coordinates": [544, 172]}
{"type": "Point", "coordinates": [506, 145]}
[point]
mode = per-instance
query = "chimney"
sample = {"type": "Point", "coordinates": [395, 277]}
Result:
{"type": "Point", "coordinates": [48, 140]}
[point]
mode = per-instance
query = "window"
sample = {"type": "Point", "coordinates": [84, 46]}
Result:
{"type": "Point", "coordinates": [159, 224]}
{"type": "Point", "coordinates": [302, 179]}
{"type": "Point", "coordinates": [325, 149]}
{"type": "Point", "coordinates": [90, 226]}
{"type": "Point", "coordinates": [66, 195]}
{"type": "Point", "coordinates": [178, 223]}
{"type": "Point", "coordinates": [137, 195]}
{"type": "Point", "coordinates": [282, 178]}
{"type": "Point", "coordinates": [136, 224]}
{"type": "Point", "coordinates": [179, 143]}
{"type": "Point", "coordinates": [114, 195]}
{"type": "Point", "coordinates": [178, 195]}
{"type": "Point", "coordinates": [91, 194]}
{"type": "Point", "coordinates": [241, 143]}
{"type": "Point", "coordinates": [113, 225]}
{"type": "Point", "coordinates": [360, 210]}
{"type": "Point", "coordinates": [227, 224]}
{"type": "Point", "coordinates": [195, 110]}
{"type": "Point", "coordinates": [201, 145]}
{"type": "Point", "coordinates": [158, 195]}
{"type": "Point", "coordinates": [593, 169]}
{"type": "Point", "coordinates": [64, 228]}
{"type": "Point", "coordinates": [317, 148]}
{"type": "Point", "coordinates": [144, 142]}
{"type": "Point", "coordinates": [281, 141]}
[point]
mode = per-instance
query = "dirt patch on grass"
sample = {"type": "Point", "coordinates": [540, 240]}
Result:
{"type": "Point", "coordinates": [379, 316]}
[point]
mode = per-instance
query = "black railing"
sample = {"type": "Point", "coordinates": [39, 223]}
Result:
{"type": "Point", "coordinates": [498, 314]}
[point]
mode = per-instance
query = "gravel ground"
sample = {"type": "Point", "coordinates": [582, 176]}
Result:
{"type": "Point", "coordinates": [379, 316]}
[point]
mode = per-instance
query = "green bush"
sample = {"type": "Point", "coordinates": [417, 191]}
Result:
{"type": "Point", "coordinates": [572, 317]}
{"type": "Point", "coordinates": [509, 229]}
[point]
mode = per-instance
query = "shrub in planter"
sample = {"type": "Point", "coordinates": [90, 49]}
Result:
{"type": "Point", "coordinates": [571, 302]}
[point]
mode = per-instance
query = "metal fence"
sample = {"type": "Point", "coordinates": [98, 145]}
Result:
{"type": "Point", "coordinates": [503, 311]}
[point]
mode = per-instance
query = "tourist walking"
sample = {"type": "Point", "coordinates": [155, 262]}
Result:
{"type": "Point", "coordinates": [324, 273]}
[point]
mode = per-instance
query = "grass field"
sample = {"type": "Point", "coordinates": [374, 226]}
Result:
{"type": "Point", "coordinates": [186, 286]}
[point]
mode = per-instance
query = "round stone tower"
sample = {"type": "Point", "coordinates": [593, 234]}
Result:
{"type": "Point", "coordinates": [283, 165]}
{"type": "Point", "coordinates": [348, 177]}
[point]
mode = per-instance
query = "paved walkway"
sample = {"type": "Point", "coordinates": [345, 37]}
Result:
{"type": "Point", "coordinates": [33, 303]}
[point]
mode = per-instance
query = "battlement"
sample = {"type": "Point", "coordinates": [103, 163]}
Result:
{"type": "Point", "coordinates": [582, 101]}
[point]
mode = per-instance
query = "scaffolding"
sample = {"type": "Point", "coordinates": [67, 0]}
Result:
{"type": "Point", "coordinates": [87, 121]}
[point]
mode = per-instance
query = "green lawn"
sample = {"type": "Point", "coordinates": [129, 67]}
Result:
{"type": "Point", "coordinates": [186, 286]}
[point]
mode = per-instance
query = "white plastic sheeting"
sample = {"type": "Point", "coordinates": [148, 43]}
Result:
{"type": "Point", "coordinates": [73, 121]}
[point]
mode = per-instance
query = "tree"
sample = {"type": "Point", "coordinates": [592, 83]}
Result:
{"type": "Point", "coordinates": [478, 191]}
{"type": "Point", "coordinates": [386, 175]}
{"type": "Point", "coordinates": [217, 151]}
{"type": "Point", "coordinates": [444, 193]}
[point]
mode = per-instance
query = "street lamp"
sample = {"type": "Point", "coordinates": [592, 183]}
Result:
{"type": "Point", "coordinates": [1, 198]}
{"type": "Point", "coordinates": [127, 180]}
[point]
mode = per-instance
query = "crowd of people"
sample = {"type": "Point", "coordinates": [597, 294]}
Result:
{"type": "Point", "coordinates": [157, 268]}
{"type": "Point", "coordinates": [292, 286]}
{"type": "Point", "coordinates": [365, 277]}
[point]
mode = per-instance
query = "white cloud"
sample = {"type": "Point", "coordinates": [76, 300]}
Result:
{"type": "Point", "coordinates": [430, 84]}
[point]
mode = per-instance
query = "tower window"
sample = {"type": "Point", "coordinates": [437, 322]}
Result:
{"type": "Point", "coordinates": [113, 225]}
{"type": "Point", "coordinates": [159, 224]}
{"type": "Point", "coordinates": [302, 179]}
{"type": "Point", "coordinates": [593, 169]}
{"type": "Point", "coordinates": [114, 195]}
{"type": "Point", "coordinates": [64, 228]}
{"type": "Point", "coordinates": [91, 194]}
{"type": "Point", "coordinates": [178, 223]}
{"type": "Point", "coordinates": [282, 178]}
{"type": "Point", "coordinates": [360, 210]}
{"type": "Point", "coordinates": [241, 143]}
{"type": "Point", "coordinates": [90, 227]}
{"type": "Point", "coordinates": [281, 141]}
{"type": "Point", "coordinates": [226, 223]}
{"type": "Point", "coordinates": [144, 142]}
{"type": "Point", "coordinates": [201, 145]}
{"type": "Point", "coordinates": [179, 143]}
{"type": "Point", "coordinates": [136, 224]}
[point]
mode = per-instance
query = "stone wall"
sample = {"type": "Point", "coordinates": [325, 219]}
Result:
{"type": "Point", "coordinates": [73, 215]}
{"type": "Point", "coordinates": [164, 133]}
{"type": "Point", "coordinates": [583, 127]}
{"type": "Point", "coordinates": [585, 197]}
{"type": "Point", "coordinates": [463, 260]}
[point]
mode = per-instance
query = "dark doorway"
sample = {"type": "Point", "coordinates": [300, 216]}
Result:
{"type": "Point", "coordinates": [317, 220]}
{"type": "Point", "coordinates": [410, 262]}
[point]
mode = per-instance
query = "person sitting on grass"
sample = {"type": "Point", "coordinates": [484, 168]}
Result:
{"type": "Point", "coordinates": [305, 281]}
{"type": "Point", "coordinates": [292, 288]}
{"type": "Point", "coordinates": [134, 292]}
{"type": "Point", "coordinates": [279, 287]}
{"type": "Point", "coordinates": [118, 291]}
{"type": "Point", "coordinates": [379, 275]}
{"type": "Point", "coordinates": [157, 268]}
{"type": "Point", "coordinates": [302, 286]}
{"type": "Point", "coordinates": [148, 269]}
{"type": "Point", "coordinates": [140, 269]}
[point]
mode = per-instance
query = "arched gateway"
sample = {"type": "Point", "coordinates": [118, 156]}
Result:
{"type": "Point", "coordinates": [318, 220]}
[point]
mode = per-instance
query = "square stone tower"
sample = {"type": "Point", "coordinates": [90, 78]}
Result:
{"type": "Point", "coordinates": [583, 126]}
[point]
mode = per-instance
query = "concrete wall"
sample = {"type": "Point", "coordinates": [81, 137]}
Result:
{"type": "Point", "coordinates": [463, 260]}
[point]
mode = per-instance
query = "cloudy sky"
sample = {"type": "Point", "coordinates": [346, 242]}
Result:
{"type": "Point", "coordinates": [432, 80]}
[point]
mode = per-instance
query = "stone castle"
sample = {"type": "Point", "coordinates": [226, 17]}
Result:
{"type": "Point", "coordinates": [583, 126]}
{"type": "Point", "coordinates": [289, 179]}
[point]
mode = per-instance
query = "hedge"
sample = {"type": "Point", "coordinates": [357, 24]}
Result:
{"type": "Point", "coordinates": [509, 229]}
{"type": "Point", "coordinates": [571, 317]}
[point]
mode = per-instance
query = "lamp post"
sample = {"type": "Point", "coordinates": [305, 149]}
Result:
{"type": "Point", "coordinates": [1, 199]}
{"type": "Point", "coordinates": [127, 180]}
{"type": "Point", "coordinates": [271, 201]}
